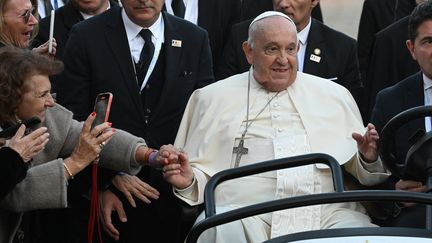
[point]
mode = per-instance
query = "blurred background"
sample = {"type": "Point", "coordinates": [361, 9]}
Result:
{"type": "Point", "coordinates": [342, 15]}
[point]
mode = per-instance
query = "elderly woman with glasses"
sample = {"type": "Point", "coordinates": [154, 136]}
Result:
{"type": "Point", "coordinates": [19, 24]}
{"type": "Point", "coordinates": [72, 146]}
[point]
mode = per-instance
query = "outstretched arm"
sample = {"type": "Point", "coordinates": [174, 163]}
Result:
{"type": "Point", "coordinates": [367, 144]}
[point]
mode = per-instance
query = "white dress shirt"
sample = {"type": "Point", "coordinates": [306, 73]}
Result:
{"type": "Point", "coordinates": [191, 13]}
{"type": "Point", "coordinates": [427, 84]}
{"type": "Point", "coordinates": [136, 42]}
{"type": "Point", "coordinates": [41, 7]}
{"type": "Point", "coordinates": [302, 36]}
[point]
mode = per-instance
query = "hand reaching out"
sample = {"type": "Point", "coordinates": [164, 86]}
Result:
{"type": "Point", "coordinates": [132, 186]}
{"type": "Point", "coordinates": [180, 174]}
{"type": "Point", "coordinates": [367, 144]}
{"type": "Point", "coordinates": [30, 145]}
{"type": "Point", "coordinates": [43, 49]}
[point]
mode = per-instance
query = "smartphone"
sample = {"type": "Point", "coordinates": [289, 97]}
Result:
{"type": "Point", "coordinates": [51, 33]}
{"type": "Point", "coordinates": [10, 131]}
{"type": "Point", "coordinates": [102, 108]}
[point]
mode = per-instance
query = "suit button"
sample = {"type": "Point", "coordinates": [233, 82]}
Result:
{"type": "Point", "coordinates": [148, 86]}
{"type": "Point", "coordinates": [148, 110]}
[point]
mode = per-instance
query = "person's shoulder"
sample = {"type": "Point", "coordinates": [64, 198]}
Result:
{"type": "Point", "coordinates": [58, 112]}
{"type": "Point", "coordinates": [333, 35]}
{"type": "Point", "coordinates": [92, 25]}
{"type": "Point", "coordinates": [180, 25]}
{"type": "Point", "coordinates": [242, 25]}
{"type": "Point", "coordinates": [319, 84]}
{"type": "Point", "coordinates": [403, 85]}
{"type": "Point", "coordinates": [228, 85]}
{"type": "Point", "coordinates": [401, 26]}
{"type": "Point", "coordinates": [377, 4]}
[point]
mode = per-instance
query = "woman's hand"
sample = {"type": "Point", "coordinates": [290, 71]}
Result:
{"type": "Point", "coordinates": [43, 49]}
{"type": "Point", "coordinates": [90, 144]}
{"type": "Point", "coordinates": [30, 145]}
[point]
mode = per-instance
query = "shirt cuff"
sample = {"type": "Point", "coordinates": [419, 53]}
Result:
{"type": "Point", "coordinates": [188, 191]}
{"type": "Point", "coordinates": [376, 166]}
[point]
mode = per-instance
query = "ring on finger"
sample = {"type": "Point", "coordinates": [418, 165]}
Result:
{"type": "Point", "coordinates": [102, 145]}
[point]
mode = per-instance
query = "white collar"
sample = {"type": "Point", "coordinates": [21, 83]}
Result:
{"type": "Point", "coordinates": [304, 33]}
{"type": "Point", "coordinates": [191, 13]}
{"type": "Point", "coordinates": [427, 82]}
{"type": "Point", "coordinates": [132, 29]}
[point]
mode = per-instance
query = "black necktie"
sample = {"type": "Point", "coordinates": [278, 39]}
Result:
{"type": "Point", "coordinates": [178, 7]}
{"type": "Point", "coordinates": [145, 56]}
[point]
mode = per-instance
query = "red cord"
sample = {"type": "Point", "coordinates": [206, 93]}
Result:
{"type": "Point", "coordinates": [94, 208]}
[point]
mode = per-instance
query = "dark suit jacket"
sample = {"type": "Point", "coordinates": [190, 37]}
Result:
{"type": "Point", "coordinates": [13, 170]}
{"type": "Point", "coordinates": [390, 62]}
{"type": "Point", "coordinates": [390, 101]}
{"type": "Point", "coordinates": [375, 16]}
{"type": "Point", "coordinates": [97, 59]}
{"type": "Point", "coordinates": [217, 17]}
{"type": "Point", "coordinates": [338, 55]}
{"type": "Point", "coordinates": [65, 17]}
{"type": "Point", "coordinates": [252, 8]}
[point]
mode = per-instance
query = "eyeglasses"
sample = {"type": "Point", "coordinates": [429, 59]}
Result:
{"type": "Point", "coordinates": [27, 13]}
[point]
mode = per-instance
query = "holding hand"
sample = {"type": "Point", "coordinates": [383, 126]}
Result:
{"type": "Point", "coordinates": [43, 49]}
{"type": "Point", "coordinates": [367, 144]}
{"type": "Point", "coordinates": [180, 174]}
{"type": "Point", "coordinates": [30, 145]}
{"type": "Point", "coordinates": [90, 144]}
{"type": "Point", "coordinates": [411, 186]}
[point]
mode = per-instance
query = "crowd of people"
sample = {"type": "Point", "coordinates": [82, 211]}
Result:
{"type": "Point", "coordinates": [201, 86]}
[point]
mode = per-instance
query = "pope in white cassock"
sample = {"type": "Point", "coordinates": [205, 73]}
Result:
{"type": "Point", "coordinates": [273, 111]}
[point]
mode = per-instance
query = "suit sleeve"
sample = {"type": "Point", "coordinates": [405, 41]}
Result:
{"type": "Point", "coordinates": [205, 74]}
{"type": "Point", "coordinates": [74, 84]}
{"type": "Point", "coordinates": [377, 116]}
{"type": "Point", "coordinates": [228, 65]}
{"type": "Point", "coordinates": [352, 77]}
{"type": "Point", "coordinates": [13, 170]}
{"type": "Point", "coordinates": [366, 36]}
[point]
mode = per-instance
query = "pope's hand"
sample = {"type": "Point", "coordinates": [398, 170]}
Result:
{"type": "Point", "coordinates": [180, 174]}
{"type": "Point", "coordinates": [367, 144]}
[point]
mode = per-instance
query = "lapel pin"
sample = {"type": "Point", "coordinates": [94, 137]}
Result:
{"type": "Point", "coordinates": [176, 43]}
{"type": "Point", "coordinates": [315, 58]}
{"type": "Point", "coordinates": [317, 51]}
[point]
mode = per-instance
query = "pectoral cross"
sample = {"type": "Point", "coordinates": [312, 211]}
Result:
{"type": "Point", "coordinates": [239, 151]}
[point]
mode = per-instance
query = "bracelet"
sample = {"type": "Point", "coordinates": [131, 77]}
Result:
{"type": "Point", "coordinates": [152, 157]}
{"type": "Point", "coordinates": [147, 154]}
{"type": "Point", "coordinates": [68, 171]}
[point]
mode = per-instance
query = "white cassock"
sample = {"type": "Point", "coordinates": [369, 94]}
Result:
{"type": "Point", "coordinates": [313, 115]}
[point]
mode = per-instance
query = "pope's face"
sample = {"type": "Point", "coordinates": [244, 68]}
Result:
{"type": "Point", "coordinates": [36, 98]}
{"type": "Point", "coordinates": [273, 54]}
{"type": "Point", "coordinates": [421, 48]}
{"type": "Point", "coordinates": [143, 12]}
{"type": "Point", "coordinates": [298, 10]}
